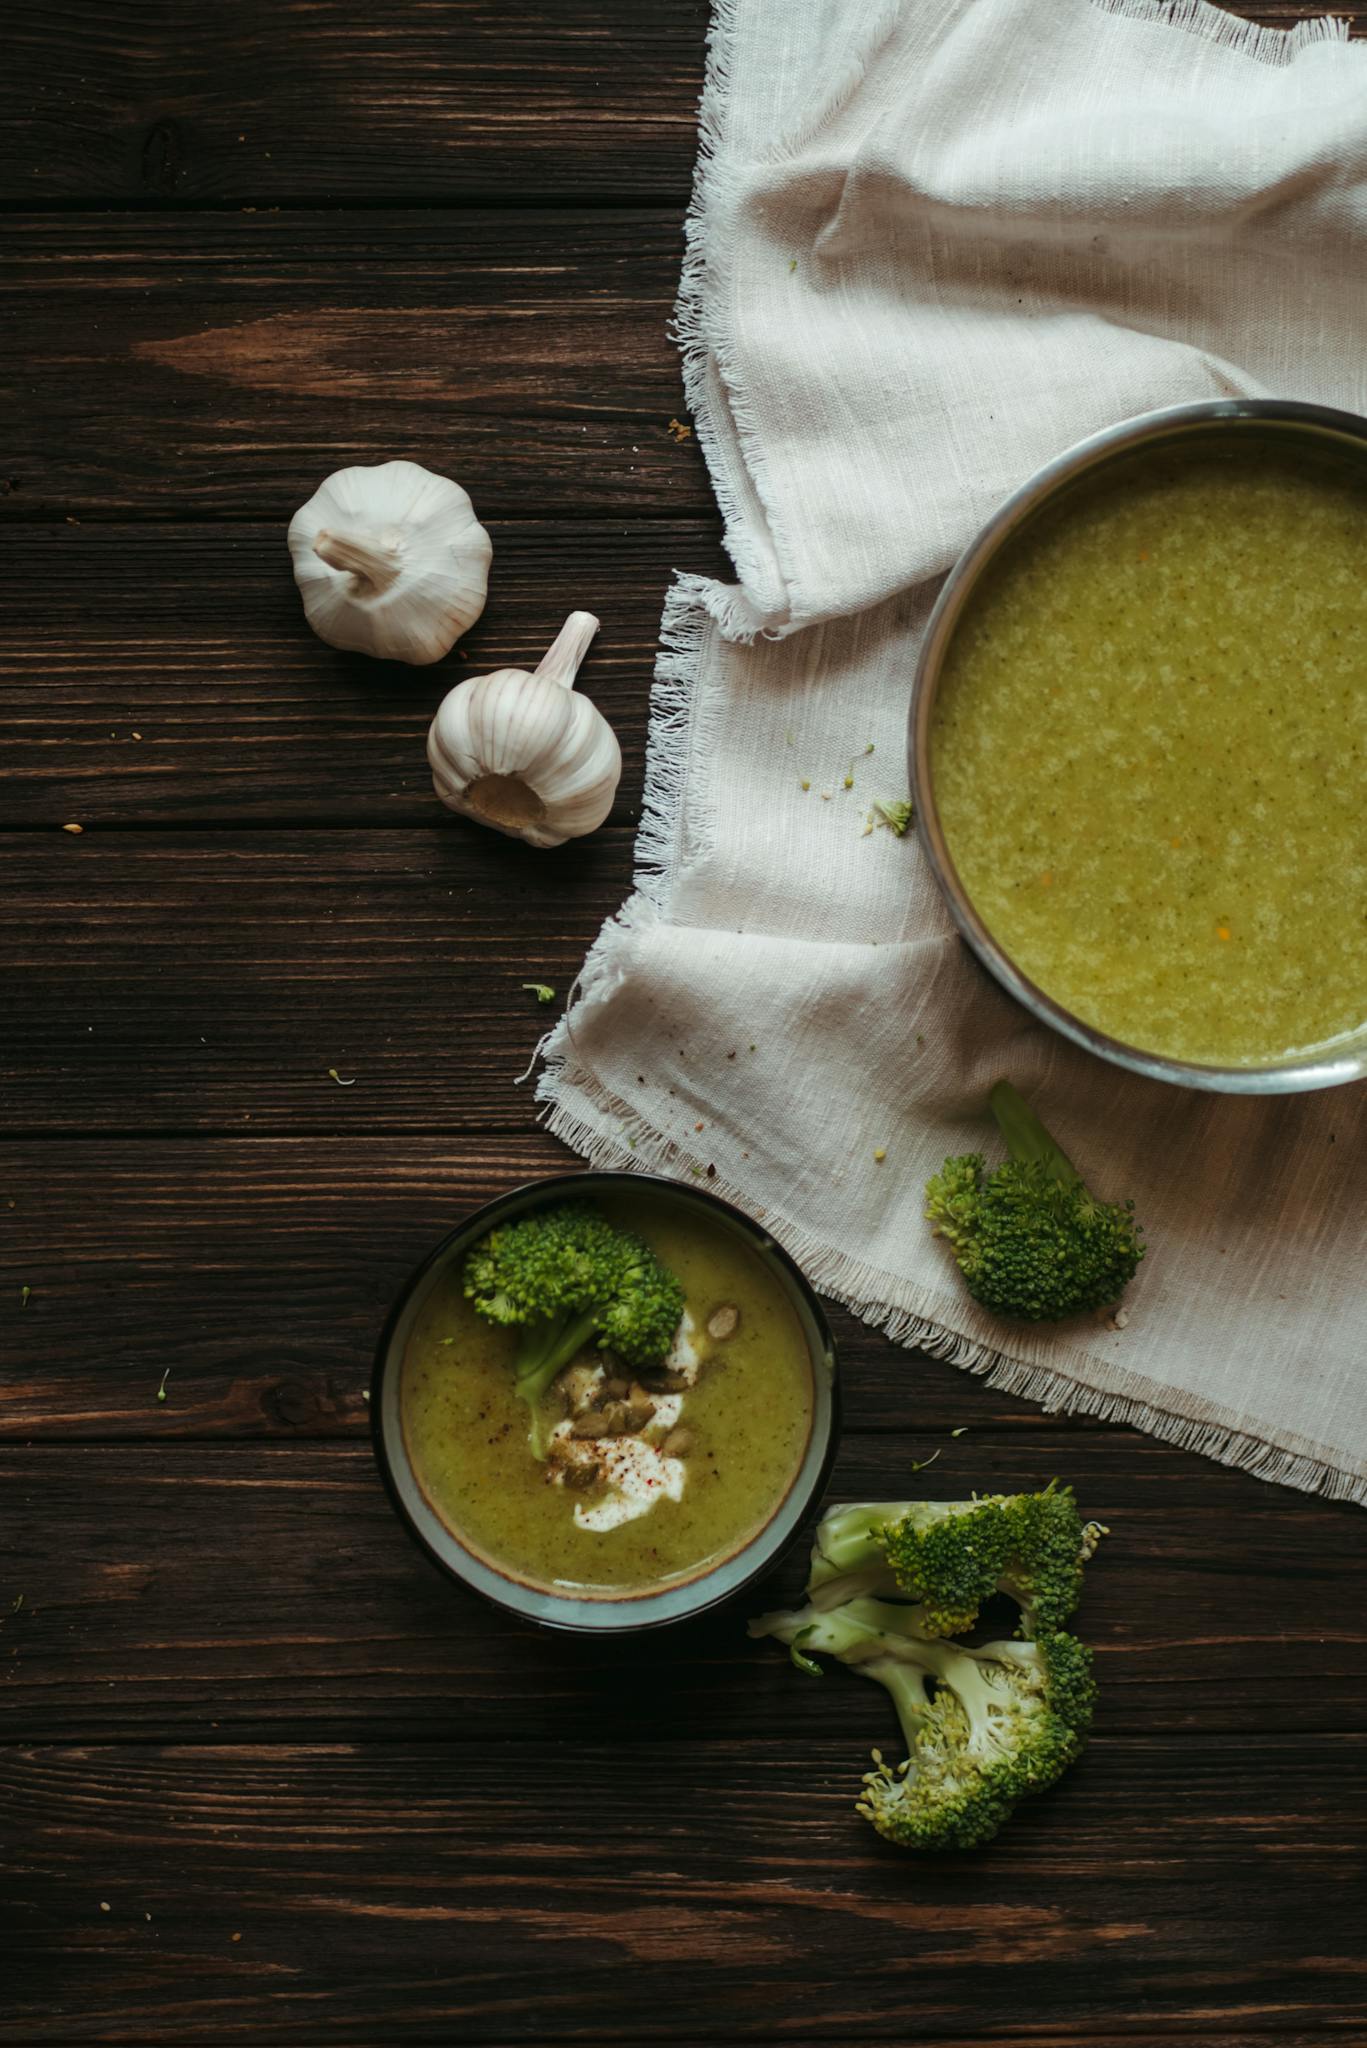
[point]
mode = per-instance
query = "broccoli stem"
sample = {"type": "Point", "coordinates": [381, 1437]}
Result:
{"type": "Point", "coordinates": [548, 1347]}
{"type": "Point", "coordinates": [876, 1639]}
{"type": "Point", "coordinates": [907, 1684]}
{"type": "Point", "coordinates": [1026, 1138]}
{"type": "Point", "coordinates": [872, 1581]}
{"type": "Point", "coordinates": [852, 1539]}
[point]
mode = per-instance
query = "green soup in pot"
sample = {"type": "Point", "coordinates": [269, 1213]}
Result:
{"type": "Point", "coordinates": [1149, 751]}
{"type": "Point", "coordinates": [749, 1418]}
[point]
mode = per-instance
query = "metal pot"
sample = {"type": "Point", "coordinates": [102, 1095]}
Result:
{"type": "Point", "coordinates": [1217, 420]}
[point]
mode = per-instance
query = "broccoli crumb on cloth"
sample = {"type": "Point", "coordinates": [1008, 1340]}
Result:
{"type": "Point", "coordinates": [986, 1726]}
{"type": "Point", "coordinates": [1031, 1239]}
{"type": "Point", "coordinates": [567, 1277]}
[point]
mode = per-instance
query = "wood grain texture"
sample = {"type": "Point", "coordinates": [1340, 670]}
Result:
{"type": "Point", "coordinates": [192, 636]}
{"type": "Point", "coordinates": [245, 1590]}
{"type": "Point", "coordinates": [257, 1273]}
{"type": "Point", "coordinates": [186, 981]}
{"type": "Point", "coordinates": [246, 245]}
{"type": "Point", "coordinates": [166, 366]}
{"type": "Point", "coordinates": [285, 101]}
{"type": "Point", "coordinates": [282, 100]}
{"type": "Point", "coordinates": [726, 1887]}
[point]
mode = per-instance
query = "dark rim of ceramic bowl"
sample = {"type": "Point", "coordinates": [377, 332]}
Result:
{"type": "Point", "coordinates": [620, 1615]}
{"type": "Point", "coordinates": [1322, 1067]}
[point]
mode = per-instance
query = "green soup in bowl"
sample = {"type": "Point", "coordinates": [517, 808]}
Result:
{"type": "Point", "coordinates": [633, 1494]}
{"type": "Point", "coordinates": [1139, 745]}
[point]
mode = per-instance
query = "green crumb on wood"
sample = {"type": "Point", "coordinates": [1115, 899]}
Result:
{"type": "Point", "coordinates": [542, 990]}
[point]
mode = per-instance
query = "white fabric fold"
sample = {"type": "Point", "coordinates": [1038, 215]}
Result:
{"type": "Point", "coordinates": [931, 246]}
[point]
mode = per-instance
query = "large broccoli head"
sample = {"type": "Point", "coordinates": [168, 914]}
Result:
{"type": "Point", "coordinates": [567, 1278]}
{"type": "Point", "coordinates": [949, 1557]}
{"type": "Point", "coordinates": [1004, 1722]}
{"type": "Point", "coordinates": [984, 1728]}
{"type": "Point", "coordinates": [1030, 1238]}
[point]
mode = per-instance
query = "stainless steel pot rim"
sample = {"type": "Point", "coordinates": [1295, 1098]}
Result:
{"type": "Point", "coordinates": [1325, 1067]}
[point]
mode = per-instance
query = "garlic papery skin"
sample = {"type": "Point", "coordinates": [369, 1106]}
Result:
{"type": "Point", "coordinates": [524, 753]}
{"type": "Point", "coordinates": [390, 561]}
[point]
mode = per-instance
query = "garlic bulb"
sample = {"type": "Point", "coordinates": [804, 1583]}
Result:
{"type": "Point", "coordinates": [523, 753]}
{"type": "Point", "coordinates": [391, 561]}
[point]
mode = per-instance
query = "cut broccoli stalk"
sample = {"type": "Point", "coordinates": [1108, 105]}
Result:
{"type": "Point", "coordinates": [567, 1278]}
{"type": "Point", "coordinates": [1028, 1142]}
{"type": "Point", "coordinates": [545, 1350]}
{"type": "Point", "coordinates": [984, 1728]}
{"type": "Point", "coordinates": [548, 1348]}
{"type": "Point", "coordinates": [1030, 1238]}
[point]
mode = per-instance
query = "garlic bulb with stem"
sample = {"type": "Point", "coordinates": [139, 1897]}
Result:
{"type": "Point", "coordinates": [523, 752]}
{"type": "Point", "coordinates": [390, 561]}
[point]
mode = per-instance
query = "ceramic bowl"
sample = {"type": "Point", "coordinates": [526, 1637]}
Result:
{"type": "Point", "coordinates": [607, 1613]}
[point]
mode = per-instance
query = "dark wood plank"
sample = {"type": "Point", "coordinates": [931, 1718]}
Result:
{"type": "Point", "coordinates": [186, 981]}
{"type": "Point", "coordinates": [283, 100]}
{"type": "Point", "coordinates": [192, 636]}
{"type": "Point", "coordinates": [640, 1888]}
{"type": "Point", "coordinates": [291, 101]}
{"type": "Point", "coordinates": [255, 1590]}
{"type": "Point", "coordinates": [221, 366]}
{"type": "Point", "coordinates": [257, 1272]}
{"type": "Point", "coordinates": [1200, 1878]}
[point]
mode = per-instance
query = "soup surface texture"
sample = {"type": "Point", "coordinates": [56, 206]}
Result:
{"type": "Point", "coordinates": [749, 1416]}
{"type": "Point", "coordinates": [1149, 746]}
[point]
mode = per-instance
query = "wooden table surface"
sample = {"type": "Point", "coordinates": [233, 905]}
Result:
{"type": "Point", "coordinates": [265, 1775]}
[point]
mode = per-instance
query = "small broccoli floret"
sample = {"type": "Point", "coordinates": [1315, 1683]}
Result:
{"type": "Point", "coordinates": [1029, 1237]}
{"type": "Point", "coordinates": [567, 1277]}
{"type": "Point", "coordinates": [950, 1556]}
{"type": "Point", "coordinates": [897, 817]}
{"type": "Point", "coordinates": [984, 1728]}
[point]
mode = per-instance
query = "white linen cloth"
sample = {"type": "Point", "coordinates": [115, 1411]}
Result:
{"type": "Point", "coordinates": [933, 243]}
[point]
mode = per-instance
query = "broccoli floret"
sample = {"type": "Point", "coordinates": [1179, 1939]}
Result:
{"type": "Point", "coordinates": [1030, 1239]}
{"type": "Point", "coordinates": [949, 1556]}
{"type": "Point", "coordinates": [567, 1277]}
{"type": "Point", "coordinates": [984, 1728]}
